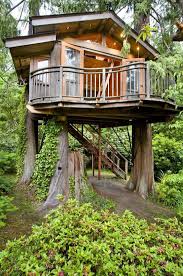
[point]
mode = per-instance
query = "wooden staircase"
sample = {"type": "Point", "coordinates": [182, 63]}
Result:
{"type": "Point", "coordinates": [113, 159]}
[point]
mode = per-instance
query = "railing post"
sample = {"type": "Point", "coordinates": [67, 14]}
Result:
{"type": "Point", "coordinates": [61, 82]}
{"type": "Point", "coordinates": [103, 83]}
{"type": "Point", "coordinates": [30, 88]}
{"type": "Point", "coordinates": [147, 80]}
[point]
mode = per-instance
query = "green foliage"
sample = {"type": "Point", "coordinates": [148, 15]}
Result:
{"type": "Point", "coordinates": [146, 32]}
{"type": "Point", "coordinates": [125, 50]}
{"type": "Point", "coordinates": [171, 64]}
{"type": "Point", "coordinates": [6, 184]}
{"type": "Point", "coordinates": [88, 195]}
{"type": "Point", "coordinates": [76, 240]}
{"type": "Point", "coordinates": [7, 21]}
{"type": "Point", "coordinates": [170, 190]}
{"type": "Point", "coordinates": [46, 160]}
{"type": "Point", "coordinates": [74, 144]}
{"type": "Point", "coordinates": [6, 206]}
{"type": "Point", "coordinates": [7, 162]}
{"type": "Point", "coordinates": [168, 154]}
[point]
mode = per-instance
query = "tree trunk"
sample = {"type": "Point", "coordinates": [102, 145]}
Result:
{"type": "Point", "coordinates": [59, 182]}
{"type": "Point", "coordinates": [142, 178]}
{"type": "Point", "coordinates": [141, 19]}
{"type": "Point", "coordinates": [31, 133]}
{"type": "Point", "coordinates": [30, 155]}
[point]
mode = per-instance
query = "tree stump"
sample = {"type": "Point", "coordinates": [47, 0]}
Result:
{"type": "Point", "coordinates": [76, 170]}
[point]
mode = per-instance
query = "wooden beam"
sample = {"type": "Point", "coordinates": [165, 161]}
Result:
{"type": "Point", "coordinates": [94, 47]}
{"type": "Point", "coordinates": [71, 18]}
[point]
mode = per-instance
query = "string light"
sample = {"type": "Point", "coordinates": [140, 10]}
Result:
{"type": "Point", "coordinates": [122, 35]}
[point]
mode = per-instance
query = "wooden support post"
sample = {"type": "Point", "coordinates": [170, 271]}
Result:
{"type": "Point", "coordinates": [59, 182]}
{"type": "Point", "coordinates": [142, 178]}
{"type": "Point", "coordinates": [99, 153]}
{"type": "Point", "coordinates": [93, 165]}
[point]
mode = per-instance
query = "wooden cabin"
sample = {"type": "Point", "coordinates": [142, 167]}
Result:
{"type": "Point", "coordinates": [74, 69]}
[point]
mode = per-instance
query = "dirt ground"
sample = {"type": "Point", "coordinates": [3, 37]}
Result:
{"type": "Point", "coordinates": [19, 222]}
{"type": "Point", "coordinates": [125, 199]}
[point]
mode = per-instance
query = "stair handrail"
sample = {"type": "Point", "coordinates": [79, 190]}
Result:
{"type": "Point", "coordinates": [125, 171]}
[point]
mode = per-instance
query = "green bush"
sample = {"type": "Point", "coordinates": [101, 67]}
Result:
{"type": "Point", "coordinates": [76, 240]}
{"type": "Point", "coordinates": [168, 155]}
{"type": "Point", "coordinates": [7, 162]}
{"type": "Point", "coordinates": [98, 202]}
{"type": "Point", "coordinates": [6, 185]}
{"type": "Point", "coordinates": [6, 206]}
{"type": "Point", "coordinates": [170, 190]}
{"type": "Point", "coordinates": [88, 195]}
{"type": "Point", "coordinates": [46, 160]}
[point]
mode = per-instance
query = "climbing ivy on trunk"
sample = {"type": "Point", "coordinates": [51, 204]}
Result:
{"type": "Point", "coordinates": [46, 160]}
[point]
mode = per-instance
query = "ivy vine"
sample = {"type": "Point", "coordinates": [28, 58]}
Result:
{"type": "Point", "coordinates": [46, 160]}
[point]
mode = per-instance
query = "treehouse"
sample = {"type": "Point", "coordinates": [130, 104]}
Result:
{"type": "Point", "coordinates": [76, 69]}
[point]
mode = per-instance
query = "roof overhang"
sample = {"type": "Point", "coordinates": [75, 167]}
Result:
{"type": "Point", "coordinates": [52, 23]}
{"type": "Point", "coordinates": [23, 47]}
{"type": "Point", "coordinates": [23, 41]}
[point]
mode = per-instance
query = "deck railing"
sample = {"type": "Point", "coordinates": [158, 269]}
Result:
{"type": "Point", "coordinates": [131, 81]}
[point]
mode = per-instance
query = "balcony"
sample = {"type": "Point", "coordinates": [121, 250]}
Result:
{"type": "Point", "coordinates": [131, 82]}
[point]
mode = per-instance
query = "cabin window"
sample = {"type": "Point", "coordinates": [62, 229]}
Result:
{"type": "Point", "coordinates": [44, 77]}
{"type": "Point", "coordinates": [72, 58]}
{"type": "Point", "coordinates": [133, 80]}
{"type": "Point", "coordinates": [42, 64]}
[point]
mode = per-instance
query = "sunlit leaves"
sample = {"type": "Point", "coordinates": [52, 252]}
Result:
{"type": "Point", "coordinates": [146, 32]}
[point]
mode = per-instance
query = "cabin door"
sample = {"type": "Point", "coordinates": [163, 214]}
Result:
{"type": "Point", "coordinates": [72, 59]}
{"type": "Point", "coordinates": [133, 77]}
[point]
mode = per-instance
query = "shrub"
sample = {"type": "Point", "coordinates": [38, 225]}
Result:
{"type": "Point", "coordinates": [170, 189]}
{"type": "Point", "coordinates": [98, 202]}
{"type": "Point", "coordinates": [168, 154]}
{"type": "Point", "coordinates": [76, 240]}
{"type": "Point", "coordinates": [7, 162]}
{"type": "Point", "coordinates": [6, 206]}
{"type": "Point", "coordinates": [88, 195]}
{"type": "Point", "coordinates": [6, 185]}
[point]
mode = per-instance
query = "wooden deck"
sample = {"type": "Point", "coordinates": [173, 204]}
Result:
{"type": "Point", "coordinates": [116, 94]}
